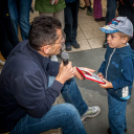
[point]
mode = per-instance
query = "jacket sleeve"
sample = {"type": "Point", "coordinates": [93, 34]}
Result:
{"type": "Point", "coordinates": [102, 68]}
{"type": "Point", "coordinates": [103, 65]}
{"type": "Point", "coordinates": [127, 68]}
{"type": "Point", "coordinates": [30, 93]}
{"type": "Point", "coordinates": [53, 68]}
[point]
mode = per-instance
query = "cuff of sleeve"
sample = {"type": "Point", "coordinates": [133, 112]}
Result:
{"type": "Point", "coordinates": [57, 86]}
{"type": "Point", "coordinates": [114, 85]}
{"type": "Point", "coordinates": [100, 71]}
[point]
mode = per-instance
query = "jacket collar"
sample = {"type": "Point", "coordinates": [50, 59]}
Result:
{"type": "Point", "coordinates": [36, 56]}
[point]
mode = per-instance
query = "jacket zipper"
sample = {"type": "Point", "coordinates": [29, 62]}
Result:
{"type": "Point", "coordinates": [109, 62]}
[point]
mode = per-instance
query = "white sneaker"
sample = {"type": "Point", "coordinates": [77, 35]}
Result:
{"type": "Point", "coordinates": [2, 62]}
{"type": "Point", "coordinates": [54, 58]}
{"type": "Point", "coordinates": [91, 112]}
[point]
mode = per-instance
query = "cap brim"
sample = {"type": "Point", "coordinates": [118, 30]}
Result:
{"type": "Point", "coordinates": [108, 30]}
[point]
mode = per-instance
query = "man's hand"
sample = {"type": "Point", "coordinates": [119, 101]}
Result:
{"type": "Point", "coordinates": [88, 69]}
{"type": "Point", "coordinates": [106, 85]}
{"type": "Point", "coordinates": [100, 75]}
{"type": "Point", "coordinates": [78, 75]}
{"type": "Point", "coordinates": [65, 73]}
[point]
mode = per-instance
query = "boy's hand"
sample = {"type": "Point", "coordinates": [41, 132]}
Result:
{"type": "Point", "coordinates": [100, 75]}
{"type": "Point", "coordinates": [106, 85]}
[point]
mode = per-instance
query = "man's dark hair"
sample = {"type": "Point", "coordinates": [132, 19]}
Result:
{"type": "Point", "coordinates": [43, 31]}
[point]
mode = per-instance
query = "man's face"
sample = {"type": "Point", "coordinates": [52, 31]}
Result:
{"type": "Point", "coordinates": [114, 40]}
{"type": "Point", "coordinates": [55, 48]}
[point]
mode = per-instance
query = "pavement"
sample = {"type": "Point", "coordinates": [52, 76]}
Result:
{"type": "Point", "coordinates": [90, 55]}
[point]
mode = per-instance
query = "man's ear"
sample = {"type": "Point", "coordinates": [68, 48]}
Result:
{"type": "Point", "coordinates": [46, 49]}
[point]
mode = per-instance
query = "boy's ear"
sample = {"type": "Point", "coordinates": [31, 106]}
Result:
{"type": "Point", "coordinates": [124, 40]}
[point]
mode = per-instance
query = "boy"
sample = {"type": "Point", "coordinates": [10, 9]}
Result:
{"type": "Point", "coordinates": [118, 70]}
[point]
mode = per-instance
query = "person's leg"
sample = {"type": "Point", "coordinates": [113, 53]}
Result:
{"type": "Point", "coordinates": [88, 5]}
{"type": "Point", "coordinates": [68, 26]}
{"type": "Point", "coordinates": [71, 94]}
{"type": "Point", "coordinates": [131, 42]}
{"type": "Point", "coordinates": [60, 16]}
{"type": "Point", "coordinates": [82, 4]}
{"type": "Point", "coordinates": [47, 14]}
{"type": "Point", "coordinates": [117, 114]}
{"type": "Point", "coordinates": [63, 116]}
{"type": "Point", "coordinates": [111, 10]}
{"type": "Point", "coordinates": [5, 45]}
{"type": "Point", "coordinates": [10, 31]}
{"type": "Point", "coordinates": [24, 9]}
{"type": "Point", "coordinates": [75, 9]}
{"type": "Point", "coordinates": [97, 9]}
{"type": "Point", "coordinates": [13, 11]}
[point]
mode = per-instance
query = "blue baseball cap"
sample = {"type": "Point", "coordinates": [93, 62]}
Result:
{"type": "Point", "coordinates": [119, 24]}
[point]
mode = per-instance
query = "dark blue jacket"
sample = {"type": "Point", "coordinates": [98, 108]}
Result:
{"type": "Point", "coordinates": [118, 68]}
{"type": "Point", "coordinates": [23, 86]}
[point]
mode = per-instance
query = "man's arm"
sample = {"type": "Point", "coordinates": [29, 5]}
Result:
{"type": "Point", "coordinates": [31, 93]}
{"type": "Point", "coordinates": [102, 68]}
{"type": "Point", "coordinates": [53, 68]}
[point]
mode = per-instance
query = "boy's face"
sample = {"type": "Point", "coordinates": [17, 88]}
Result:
{"type": "Point", "coordinates": [115, 40]}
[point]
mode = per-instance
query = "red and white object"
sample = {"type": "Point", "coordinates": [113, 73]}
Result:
{"type": "Point", "coordinates": [90, 76]}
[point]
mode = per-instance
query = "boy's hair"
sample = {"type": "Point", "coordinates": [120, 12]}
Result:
{"type": "Point", "coordinates": [124, 35]}
{"type": "Point", "coordinates": [43, 31]}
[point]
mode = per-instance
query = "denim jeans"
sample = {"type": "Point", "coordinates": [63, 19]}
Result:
{"type": "Point", "coordinates": [19, 13]}
{"type": "Point", "coordinates": [117, 115]}
{"type": "Point", "coordinates": [71, 22]}
{"type": "Point", "coordinates": [8, 38]}
{"type": "Point", "coordinates": [65, 116]}
{"type": "Point", "coordinates": [111, 10]}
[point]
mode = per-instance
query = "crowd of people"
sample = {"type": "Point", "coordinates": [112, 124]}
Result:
{"type": "Point", "coordinates": [31, 78]}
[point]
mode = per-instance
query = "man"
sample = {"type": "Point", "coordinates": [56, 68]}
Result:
{"type": "Point", "coordinates": [26, 95]}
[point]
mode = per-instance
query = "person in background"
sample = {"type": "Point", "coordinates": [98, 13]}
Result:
{"type": "Point", "coordinates": [82, 4]}
{"type": "Point", "coordinates": [30, 82]}
{"type": "Point", "coordinates": [126, 9]}
{"type": "Point", "coordinates": [89, 8]}
{"type": "Point", "coordinates": [8, 38]}
{"type": "Point", "coordinates": [111, 10]}
{"type": "Point", "coordinates": [19, 13]}
{"type": "Point", "coordinates": [54, 9]}
{"type": "Point", "coordinates": [118, 71]}
{"type": "Point", "coordinates": [71, 23]}
{"type": "Point", "coordinates": [98, 11]}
